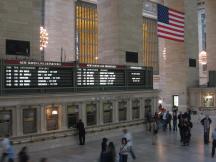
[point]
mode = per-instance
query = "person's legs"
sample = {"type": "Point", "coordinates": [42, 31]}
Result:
{"type": "Point", "coordinates": [124, 158]}
{"type": "Point", "coordinates": [4, 155]}
{"type": "Point", "coordinates": [213, 147]}
{"type": "Point", "coordinates": [132, 153]}
{"type": "Point", "coordinates": [83, 139]}
{"type": "Point", "coordinates": [80, 138]}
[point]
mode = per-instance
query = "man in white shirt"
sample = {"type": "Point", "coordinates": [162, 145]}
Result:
{"type": "Point", "coordinates": [5, 144]}
{"type": "Point", "coordinates": [129, 138]}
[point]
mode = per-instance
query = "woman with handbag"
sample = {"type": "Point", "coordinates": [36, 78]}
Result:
{"type": "Point", "coordinates": [124, 149]}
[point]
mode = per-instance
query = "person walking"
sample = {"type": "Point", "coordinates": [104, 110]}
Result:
{"type": "Point", "coordinates": [103, 150]}
{"type": "Point", "coordinates": [23, 155]}
{"type": "Point", "coordinates": [169, 119]}
{"type": "Point", "coordinates": [5, 145]}
{"type": "Point", "coordinates": [129, 138]}
{"type": "Point", "coordinates": [164, 117]}
{"type": "Point", "coordinates": [81, 129]}
{"type": "Point", "coordinates": [214, 142]}
{"type": "Point", "coordinates": [110, 155]}
{"type": "Point", "coordinates": [175, 118]}
{"type": "Point", "coordinates": [206, 122]}
{"type": "Point", "coordinates": [10, 152]}
{"type": "Point", "coordinates": [123, 153]}
{"type": "Point", "coordinates": [148, 120]}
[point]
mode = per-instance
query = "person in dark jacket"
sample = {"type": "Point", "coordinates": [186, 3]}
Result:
{"type": "Point", "coordinates": [81, 129]}
{"type": "Point", "coordinates": [23, 156]}
{"type": "Point", "coordinates": [111, 153]}
{"type": "Point", "coordinates": [174, 121]}
{"type": "Point", "coordinates": [103, 150]}
{"type": "Point", "coordinates": [104, 145]}
{"type": "Point", "coordinates": [206, 122]}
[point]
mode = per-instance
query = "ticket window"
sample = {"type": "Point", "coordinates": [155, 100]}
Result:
{"type": "Point", "coordinates": [5, 122]}
{"type": "Point", "coordinates": [135, 109]}
{"type": "Point", "coordinates": [29, 121]}
{"type": "Point", "coordinates": [208, 100]}
{"type": "Point", "coordinates": [122, 111]}
{"type": "Point", "coordinates": [52, 114]}
{"type": "Point", "coordinates": [107, 112]}
{"type": "Point", "coordinates": [91, 114]}
{"type": "Point", "coordinates": [73, 115]}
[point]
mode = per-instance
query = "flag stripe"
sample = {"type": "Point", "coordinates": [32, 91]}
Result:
{"type": "Point", "coordinates": [176, 23]}
{"type": "Point", "coordinates": [170, 31]}
{"type": "Point", "coordinates": [176, 20]}
{"type": "Point", "coordinates": [171, 38]}
{"type": "Point", "coordinates": [179, 26]}
{"type": "Point", "coordinates": [171, 27]}
{"type": "Point", "coordinates": [176, 13]}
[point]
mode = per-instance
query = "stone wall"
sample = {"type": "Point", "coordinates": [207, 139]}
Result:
{"type": "Point", "coordinates": [120, 30]}
{"type": "Point", "coordinates": [60, 25]}
{"type": "Point", "coordinates": [20, 20]}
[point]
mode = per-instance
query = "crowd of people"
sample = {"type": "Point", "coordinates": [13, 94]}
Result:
{"type": "Point", "coordinates": [160, 120]}
{"type": "Point", "coordinates": [108, 152]}
{"type": "Point", "coordinates": [8, 152]}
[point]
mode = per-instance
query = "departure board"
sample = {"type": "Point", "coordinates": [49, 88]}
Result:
{"type": "Point", "coordinates": [23, 74]}
{"type": "Point", "coordinates": [100, 75]}
{"type": "Point", "coordinates": [34, 74]}
{"type": "Point", "coordinates": [136, 76]}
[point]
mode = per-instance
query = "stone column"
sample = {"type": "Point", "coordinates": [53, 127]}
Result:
{"type": "Point", "coordinates": [142, 108]}
{"type": "Point", "coordinates": [129, 109]}
{"type": "Point", "coordinates": [100, 112]}
{"type": "Point", "coordinates": [19, 119]}
{"type": "Point", "coordinates": [83, 113]}
{"type": "Point", "coordinates": [63, 117]}
{"type": "Point", "coordinates": [115, 111]}
{"type": "Point", "coordinates": [43, 122]}
{"type": "Point", "coordinates": [210, 33]}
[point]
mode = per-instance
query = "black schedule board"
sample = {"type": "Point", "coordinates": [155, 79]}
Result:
{"type": "Point", "coordinates": [23, 74]}
{"type": "Point", "coordinates": [136, 77]}
{"type": "Point", "coordinates": [100, 75]}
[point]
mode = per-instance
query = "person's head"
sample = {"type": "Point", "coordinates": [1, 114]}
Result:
{"type": "Point", "coordinates": [43, 160]}
{"type": "Point", "coordinates": [124, 141]}
{"type": "Point", "coordinates": [125, 131]}
{"type": "Point", "coordinates": [207, 116]}
{"type": "Point", "coordinates": [24, 149]}
{"type": "Point", "coordinates": [104, 140]}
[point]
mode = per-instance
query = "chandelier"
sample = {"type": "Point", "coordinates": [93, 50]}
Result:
{"type": "Point", "coordinates": [203, 58]}
{"type": "Point", "coordinates": [43, 38]}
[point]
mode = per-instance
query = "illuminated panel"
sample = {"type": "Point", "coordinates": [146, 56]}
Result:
{"type": "Point", "coordinates": [100, 75]}
{"type": "Point", "coordinates": [23, 75]}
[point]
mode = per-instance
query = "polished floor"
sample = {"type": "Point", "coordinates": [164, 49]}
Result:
{"type": "Point", "coordinates": [166, 149]}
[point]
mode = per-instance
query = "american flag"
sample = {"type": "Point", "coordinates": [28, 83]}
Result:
{"type": "Point", "coordinates": [170, 23]}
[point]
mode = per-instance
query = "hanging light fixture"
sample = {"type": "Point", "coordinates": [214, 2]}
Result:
{"type": "Point", "coordinates": [43, 38]}
{"type": "Point", "coordinates": [203, 58]}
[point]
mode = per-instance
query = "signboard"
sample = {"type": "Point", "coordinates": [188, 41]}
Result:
{"type": "Point", "coordinates": [23, 74]}
{"type": "Point", "coordinates": [35, 74]}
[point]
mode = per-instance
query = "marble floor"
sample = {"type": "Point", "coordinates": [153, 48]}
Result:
{"type": "Point", "coordinates": [166, 149]}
